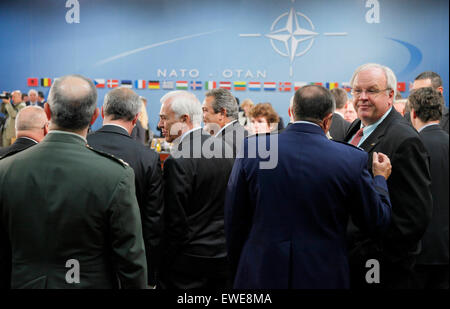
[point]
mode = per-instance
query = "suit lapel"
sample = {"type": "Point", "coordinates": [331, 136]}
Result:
{"type": "Point", "coordinates": [374, 138]}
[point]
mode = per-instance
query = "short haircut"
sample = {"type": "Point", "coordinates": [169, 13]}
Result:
{"type": "Point", "coordinates": [266, 111]}
{"type": "Point", "coordinates": [72, 104]}
{"type": "Point", "coordinates": [30, 117]}
{"type": "Point", "coordinates": [223, 99]}
{"type": "Point", "coordinates": [313, 103]}
{"type": "Point", "coordinates": [184, 103]}
{"type": "Point", "coordinates": [427, 103]}
{"type": "Point", "coordinates": [40, 94]}
{"type": "Point", "coordinates": [436, 80]}
{"type": "Point", "coordinates": [340, 97]}
{"type": "Point", "coordinates": [122, 103]}
{"type": "Point", "coordinates": [391, 80]}
{"type": "Point", "coordinates": [33, 91]}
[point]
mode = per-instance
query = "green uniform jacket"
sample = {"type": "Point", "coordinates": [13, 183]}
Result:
{"type": "Point", "coordinates": [9, 129]}
{"type": "Point", "coordinates": [61, 201]}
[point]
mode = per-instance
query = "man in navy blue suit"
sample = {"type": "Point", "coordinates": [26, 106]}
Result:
{"type": "Point", "coordinates": [286, 224]}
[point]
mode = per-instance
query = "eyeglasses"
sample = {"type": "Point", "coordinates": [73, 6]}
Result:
{"type": "Point", "coordinates": [369, 93]}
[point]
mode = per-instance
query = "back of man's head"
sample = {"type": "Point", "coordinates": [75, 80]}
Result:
{"type": "Point", "coordinates": [312, 103]}
{"type": "Point", "coordinates": [121, 103]}
{"type": "Point", "coordinates": [72, 101]}
{"type": "Point", "coordinates": [31, 122]}
{"type": "Point", "coordinates": [340, 97]}
{"type": "Point", "coordinates": [427, 104]}
{"type": "Point", "coordinates": [436, 80]}
{"type": "Point", "coordinates": [223, 99]}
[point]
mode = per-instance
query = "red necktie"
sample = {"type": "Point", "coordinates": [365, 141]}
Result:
{"type": "Point", "coordinates": [357, 138]}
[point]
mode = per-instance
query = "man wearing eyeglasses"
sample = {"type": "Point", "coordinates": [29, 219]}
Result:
{"type": "Point", "coordinates": [380, 128]}
{"type": "Point", "coordinates": [31, 128]}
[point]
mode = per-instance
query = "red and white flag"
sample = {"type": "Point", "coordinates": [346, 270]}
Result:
{"type": "Point", "coordinates": [286, 86]}
{"type": "Point", "coordinates": [112, 83]}
{"type": "Point", "coordinates": [225, 85]}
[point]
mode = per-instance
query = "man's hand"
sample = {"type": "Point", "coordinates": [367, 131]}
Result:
{"type": "Point", "coordinates": [381, 165]}
{"type": "Point", "coordinates": [5, 101]}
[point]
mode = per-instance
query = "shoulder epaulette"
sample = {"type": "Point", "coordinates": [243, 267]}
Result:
{"type": "Point", "coordinates": [108, 155]}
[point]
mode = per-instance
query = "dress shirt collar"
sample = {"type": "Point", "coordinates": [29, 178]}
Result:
{"type": "Point", "coordinates": [116, 125]}
{"type": "Point", "coordinates": [29, 139]}
{"type": "Point", "coordinates": [225, 126]}
{"type": "Point", "coordinates": [188, 132]}
{"type": "Point", "coordinates": [370, 128]}
{"type": "Point", "coordinates": [428, 125]}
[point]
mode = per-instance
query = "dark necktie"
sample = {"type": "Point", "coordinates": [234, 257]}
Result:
{"type": "Point", "coordinates": [357, 138]}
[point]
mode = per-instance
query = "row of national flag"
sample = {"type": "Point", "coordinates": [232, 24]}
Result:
{"type": "Point", "coordinates": [208, 85]}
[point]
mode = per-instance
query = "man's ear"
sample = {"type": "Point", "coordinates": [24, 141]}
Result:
{"type": "Point", "coordinates": [46, 129]}
{"type": "Point", "coordinates": [327, 122]}
{"type": "Point", "coordinates": [135, 119]}
{"type": "Point", "coordinates": [47, 111]}
{"type": "Point", "coordinates": [103, 114]}
{"type": "Point", "coordinates": [289, 112]}
{"type": "Point", "coordinates": [184, 118]}
{"type": "Point", "coordinates": [95, 115]}
{"type": "Point", "coordinates": [223, 111]}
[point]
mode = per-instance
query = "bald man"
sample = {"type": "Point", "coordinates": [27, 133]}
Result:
{"type": "Point", "coordinates": [31, 128]}
{"type": "Point", "coordinates": [74, 221]}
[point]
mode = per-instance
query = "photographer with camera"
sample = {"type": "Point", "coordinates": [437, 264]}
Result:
{"type": "Point", "coordinates": [10, 109]}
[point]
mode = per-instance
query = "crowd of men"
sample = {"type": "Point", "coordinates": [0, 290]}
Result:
{"type": "Point", "coordinates": [322, 204]}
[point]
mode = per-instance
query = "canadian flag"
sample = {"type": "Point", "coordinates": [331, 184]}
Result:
{"type": "Point", "coordinates": [112, 83]}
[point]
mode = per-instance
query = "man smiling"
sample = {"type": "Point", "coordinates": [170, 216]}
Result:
{"type": "Point", "coordinates": [380, 128]}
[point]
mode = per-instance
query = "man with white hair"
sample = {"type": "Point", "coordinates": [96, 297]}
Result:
{"type": "Point", "coordinates": [34, 99]}
{"type": "Point", "coordinates": [380, 128]}
{"type": "Point", "coordinates": [11, 109]}
{"type": "Point", "coordinates": [195, 176]}
{"type": "Point", "coordinates": [31, 128]}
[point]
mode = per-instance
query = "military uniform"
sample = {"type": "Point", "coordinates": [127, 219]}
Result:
{"type": "Point", "coordinates": [9, 130]}
{"type": "Point", "coordinates": [61, 201]}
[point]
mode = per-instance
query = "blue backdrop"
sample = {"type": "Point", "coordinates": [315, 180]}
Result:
{"type": "Point", "coordinates": [234, 40]}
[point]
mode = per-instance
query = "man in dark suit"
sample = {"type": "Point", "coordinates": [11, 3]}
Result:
{"type": "Point", "coordinates": [196, 176]}
{"type": "Point", "coordinates": [432, 268]}
{"type": "Point", "coordinates": [73, 222]}
{"type": "Point", "coordinates": [338, 125]}
{"type": "Point", "coordinates": [120, 112]}
{"type": "Point", "coordinates": [34, 99]}
{"type": "Point", "coordinates": [285, 225]}
{"type": "Point", "coordinates": [431, 79]}
{"type": "Point", "coordinates": [220, 115]}
{"type": "Point", "coordinates": [380, 128]}
{"type": "Point", "coordinates": [31, 128]}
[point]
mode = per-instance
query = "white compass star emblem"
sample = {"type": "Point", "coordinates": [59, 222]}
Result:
{"type": "Point", "coordinates": [291, 35]}
{"type": "Point", "coordinates": [287, 33]}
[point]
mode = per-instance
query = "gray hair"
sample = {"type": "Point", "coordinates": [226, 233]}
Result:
{"type": "Point", "coordinates": [31, 91]}
{"type": "Point", "coordinates": [72, 100]}
{"type": "Point", "coordinates": [30, 117]}
{"type": "Point", "coordinates": [184, 103]}
{"type": "Point", "coordinates": [391, 80]}
{"type": "Point", "coordinates": [122, 103]}
{"type": "Point", "coordinates": [223, 99]}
